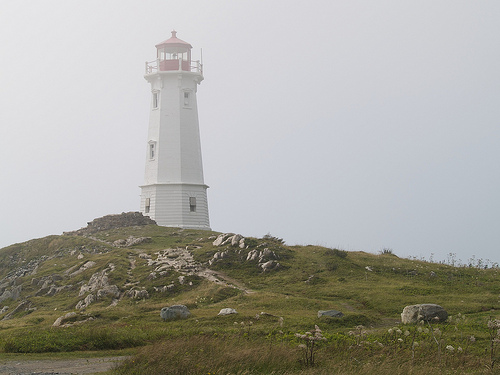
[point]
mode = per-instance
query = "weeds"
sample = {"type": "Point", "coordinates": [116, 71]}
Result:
{"type": "Point", "coordinates": [310, 339]}
{"type": "Point", "coordinates": [494, 335]}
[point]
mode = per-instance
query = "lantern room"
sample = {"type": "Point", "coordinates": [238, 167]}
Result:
{"type": "Point", "coordinates": [174, 54]}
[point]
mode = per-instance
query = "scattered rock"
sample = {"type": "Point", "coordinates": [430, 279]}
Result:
{"type": "Point", "coordinates": [425, 312]}
{"type": "Point", "coordinates": [174, 312]}
{"type": "Point", "coordinates": [108, 290]}
{"type": "Point", "coordinates": [221, 238]}
{"type": "Point", "coordinates": [270, 265]}
{"type": "Point", "coordinates": [97, 281]}
{"type": "Point", "coordinates": [71, 319]}
{"type": "Point", "coordinates": [138, 294]}
{"type": "Point", "coordinates": [13, 293]}
{"type": "Point", "coordinates": [131, 241]}
{"type": "Point", "coordinates": [85, 302]}
{"type": "Point", "coordinates": [25, 305]}
{"type": "Point", "coordinates": [230, 239]}
{"type": "Point", "coordinates": [331, 313]}
{"type": "Point", "coordinates": [83, 268]}
{"type": "Point", "coordinates": [261, 256]}
{"type": "Point", "coordinates": [53, 290]}
{"type": "Point", "coordinates": [66, 317]}
{"type": "Point", "coordinates": [235, 240]}
{"type": "Point", "coordinates": [227, 311]}
{"type": "Point", "coordinates": [310, 279]}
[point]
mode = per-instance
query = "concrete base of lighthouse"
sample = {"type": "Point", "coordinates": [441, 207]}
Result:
{"type": "Point", "coordinates": [176, 205]}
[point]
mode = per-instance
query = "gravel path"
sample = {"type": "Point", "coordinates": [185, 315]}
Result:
{"type": "Point", "coordinates": [59, 366]}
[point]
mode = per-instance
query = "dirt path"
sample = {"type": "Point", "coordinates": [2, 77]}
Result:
{"type": "Point", "coordinates": [228, 280]}
{"type": "Point", "coordinates": [59, 366]}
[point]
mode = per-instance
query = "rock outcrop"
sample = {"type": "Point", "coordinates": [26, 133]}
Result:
{"type": "Point", "coordinates": [175, 312]}
{"type": "Point", "coordinates": [425, 312]}
{"type": "Point", "coordinates": [98, 287]}
{"type": "Point", "coordinates": [125, 219]}
{"type": "Point", "coordinates": [230, 239]}
{"type": "Point", "coordinates": [265, 258]}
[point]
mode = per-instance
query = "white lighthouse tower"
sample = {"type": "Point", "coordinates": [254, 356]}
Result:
{"type": "Point", "coordinates": [174, 193]}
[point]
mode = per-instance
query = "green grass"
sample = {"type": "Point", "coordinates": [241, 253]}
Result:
{"type": "Point", "coordinates": [371, 290]}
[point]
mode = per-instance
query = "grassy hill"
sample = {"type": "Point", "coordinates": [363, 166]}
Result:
{"type": "Point", "coordinates": [127, 284]}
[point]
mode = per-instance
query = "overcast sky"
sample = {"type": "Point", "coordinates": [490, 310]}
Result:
{"type": "Point", "coordinates": [360, 125]}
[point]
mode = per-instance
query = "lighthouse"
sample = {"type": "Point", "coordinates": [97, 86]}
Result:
{"type": "Point", "coordinates": [174, 193]}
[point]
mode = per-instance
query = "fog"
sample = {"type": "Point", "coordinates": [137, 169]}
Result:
{"type": "Point", "coordinates": [359, 125]}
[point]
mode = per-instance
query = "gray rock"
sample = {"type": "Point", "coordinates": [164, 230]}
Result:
{"type": "Point", "coordinates": [138, 294]}
{"type": "Point", "coordinates": [131, 241]}
{"type": "Point", "coordinates": [174, 312]}
{"type": "Point", "coordinates": [331, 313]}
{"type": "Point", "coordinates": [25, 305]}
{"type": "Point", "coordinates": [270, 265]}
{"type": "Point", "coordinates": [425, 312]}
{"type": "Point", "coordinates": [83, 268]}
{"type": "Point", "coordinates": [227, 311]}
{"type": "Point", "coordinates": [108, 290]}
{"type": "Point", "coordinates": [59, 320]}
{"type": "Point", "coordinates": [13, 293]}
{"type": "Point", "coordinates": [235, 240]}
{"type": "Point", "coordinates": [221, 238]}
{"type": "Point", "coordinates": [229, 239]}
{"type": "Point", "coordinates": [252, 255]}
{"type": "Point", "coordinates": [85, 302]}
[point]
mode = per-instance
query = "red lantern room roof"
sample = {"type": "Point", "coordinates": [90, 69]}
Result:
{"type": "Point", "coordinates": [173, 41]}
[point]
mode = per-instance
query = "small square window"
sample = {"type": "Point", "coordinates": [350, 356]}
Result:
{"type": "Point", "coordinates": [192, 204]}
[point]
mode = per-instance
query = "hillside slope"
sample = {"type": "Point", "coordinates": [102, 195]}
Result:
{"type": "Point", "coordinates": [104, 275]}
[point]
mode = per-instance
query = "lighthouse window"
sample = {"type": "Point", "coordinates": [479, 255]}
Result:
{"type": "Point", "coordinates": [147, 207]}
{"type": "Point", "coordinates": [192, 204]}
{"type": "Point", "coordinates": [186, 99]}
{"type": "Point", "coordinates": [155, 99]}
{"type": "Point", "coordinates": [152, 150]}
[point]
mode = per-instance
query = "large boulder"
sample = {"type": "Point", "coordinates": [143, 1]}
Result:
{"type": "Point", "coordinates": [174, 312]}
{"type": "Point", "coordinates": [425, 312]}
{"type": "Point", "coordinates": [331, 313]}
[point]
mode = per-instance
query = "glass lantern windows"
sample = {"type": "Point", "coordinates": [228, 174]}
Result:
{"type": "Point", "coordinates": [173, 55]}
